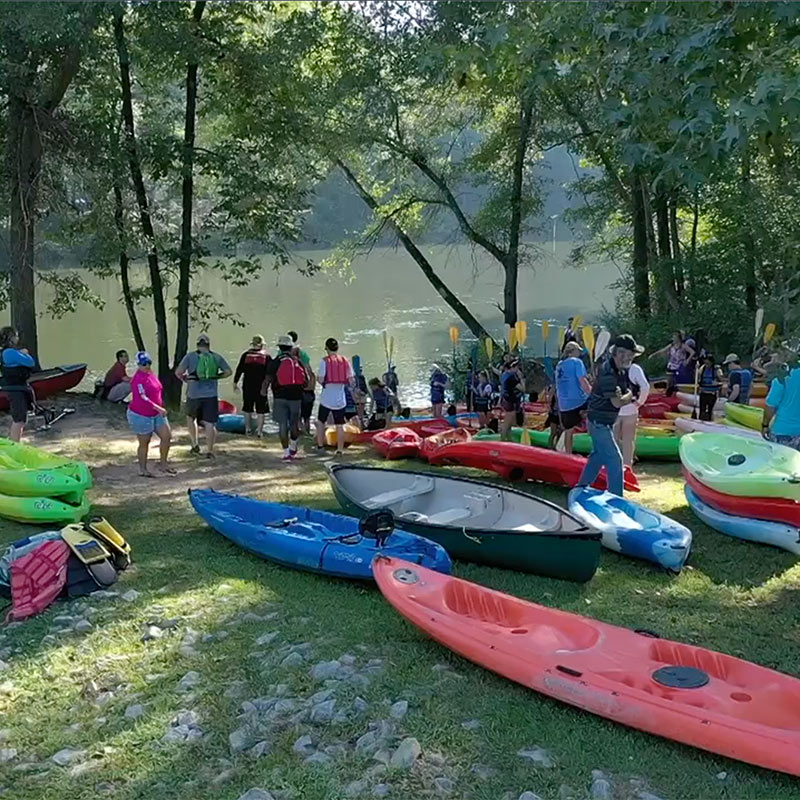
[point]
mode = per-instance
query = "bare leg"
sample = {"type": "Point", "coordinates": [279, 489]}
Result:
{"type": "Point", "coordinates": [505, 428]}
{"type": "Point", "coordinates": [320, 433]}
{"type": "Point", "coordinates": [191, 426]}
{"type": "Point", "coordinates": [340, 438]}
{"type": "Point", "coordinates": [164, 434]}
{"type": "Point", "coordinates": [568, 437]}
{"type": "Point", "coordinates": [141, 453]}
{"type": "Point", "coordinates": [16, 431]}
{"type": "Point", "coordinates": [259, 425]}
{"type": "Point", "coordinates": [248, 422]}
{"type": "Point", "coordinates": [437, 409]}
{"type": "Point", "coordinates": [211, 436]}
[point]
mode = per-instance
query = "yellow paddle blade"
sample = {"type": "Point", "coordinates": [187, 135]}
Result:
{"type": "Point", "coordinates": [576, 322]}
{"type": "Point", "coordinates": [588, 338]}
{"type": "Point", "coordinates": [489, 345]}
{"type": "Point", "coordinates": [522, 332]}
{"type": "Point", "coordinates": [512, 338]}
{"type": "Point", "coordinates": [526, 437]}
{"type": "Point", "coordinates": [769, 332]}
{"type": "Point", "coordinates": [454, 334]}
{"type": "Point", "coordinates": [385, 345]}
{"type": "Point", "coordinates": [545, 330]}
{"type": "Point", "coordinates": [561, 332]}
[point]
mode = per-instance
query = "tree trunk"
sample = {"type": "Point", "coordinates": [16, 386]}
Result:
{"type": "Point", "coordinates": [658, 236]}
{"type": "Point", "coordinates": [511, 262]}
{"type": "Point", "coordinates": [662, 225]}
{"type": "Point", "coordinates": [444, 292]}
{"type": "Point", "coordinates": [695, 222]}
{"type": "Point", "coordinates": [641, 276]}
{"type": "Point", "coordinates": [676, 245]}
{"type": "Point", "coordinates": [159, 308]}
{"type": "Point", "coordinates": [751, 255]}
{"type": "Point", "coordinates": [124, 274]}
{"type": "Point", "coordinates": [24, 166]}
{"type": "Point", "coordinates": [186, 249]}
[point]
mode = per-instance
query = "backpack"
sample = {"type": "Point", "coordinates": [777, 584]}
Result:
{"type": "Point", "coordinates": [207, 367]}
{"type": "Point", "coordinates": [290, 372]}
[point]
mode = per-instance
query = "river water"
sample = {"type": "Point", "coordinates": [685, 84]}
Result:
{"type": "Point", "coordinates": [386, 291]}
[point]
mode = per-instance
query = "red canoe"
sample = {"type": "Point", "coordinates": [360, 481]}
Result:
{"type": "Point", "coordinates": [516, 462]}
{"type": "Point", "coordinates": [432, 444]}
{"type": "Point", "coordinates": [397, 443]}
{"type": "Point", "coordinates": [685, 693]}
{"type": "Point", "coordinates": [51, 381]}
{"type": "Point", "coordinates": [773, 509]}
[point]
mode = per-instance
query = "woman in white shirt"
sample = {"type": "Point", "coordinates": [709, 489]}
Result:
{"type": "Point", "coordinates": [625, 426]}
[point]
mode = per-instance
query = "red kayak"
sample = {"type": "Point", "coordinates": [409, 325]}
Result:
{"type": "Point", "coordinates": [394, 443]}
{"type": "Point", "coordinates": [432, 444]}
{"type": "Point", "coordinates": [516, 462]}
{"type": "Point", "coordinates": [51, 381]}
{"type": "Point", "coordinates": [773, 509]}
{"type": "Point", "coordinates": [698, 697]}
{"type": "Point", "coordinates": [226, 408]}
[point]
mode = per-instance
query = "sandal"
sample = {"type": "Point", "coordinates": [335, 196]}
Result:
{"type": "Point", "coordinates": [167, 470]}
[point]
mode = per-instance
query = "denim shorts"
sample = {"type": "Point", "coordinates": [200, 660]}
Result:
{"type": "Point", "coordinates": [142, 426]}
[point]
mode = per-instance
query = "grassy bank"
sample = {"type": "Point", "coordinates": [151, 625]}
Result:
{"type": "Point", "coordinates": [210, 606]}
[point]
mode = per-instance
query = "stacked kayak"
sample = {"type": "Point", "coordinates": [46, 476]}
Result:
{"type": "Point", "coordinates": [699, 697]}
{"type": "Point", "coordinates": [747, 416]}
{"type": "Point", "coordinates": [306, 539]}
{"type": "Point", "coordinates": [701, 426]}
{"type": "Point", "coordinates": [474, 521]}
{"type": "Point", "coordinates": [661, 447]}
{"type": "Point", "coordinates": [516, 462]}
{"type": "Point", "coordinates": [395, 443]}
{"type": "Point", "coordinates": [631, 529]}
{"type": "Point", "coordinates": [743, 481]}
{"type": "Point", "coordinates": [40, 487]}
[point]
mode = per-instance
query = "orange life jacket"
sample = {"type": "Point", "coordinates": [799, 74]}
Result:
{"type": "Point", "coordinates": [335, 369]}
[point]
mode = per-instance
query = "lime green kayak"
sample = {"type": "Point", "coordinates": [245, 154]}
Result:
{"type": "Point", "coordinates": [741, 466]}
{"type": "Point", "coordinates": [748, 416]}
{"type": "Point", "coordinates": [42, 510]}
{"type": "Point", "coordinates": [648, 448]}
{"type": "Point", "coordinates": [26, 471]}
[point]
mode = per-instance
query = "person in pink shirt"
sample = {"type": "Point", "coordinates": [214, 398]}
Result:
{"type": "Point", "coordinates": [147, 415]}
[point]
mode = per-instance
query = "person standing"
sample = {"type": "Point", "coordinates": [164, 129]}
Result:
{"type": "Point", "coordinates": [202, 371]}
{"type": "Point", "coordinates": [740, 380]}
{"type": "Point", "coordinates": [309, 392]}
{"type": "Point", "coordinates": [628, 419]}
{"type": "Point", "coordinates": [570, 334]}
{"type": "Point", "coordinates": [392, 383]}
{"type": "Point", "coordinates": [782, 410]}
{"type": "Point", "coordinates": [572, 388]}
{"type": "Point", "coordinates": [334, 374]}
{"type": "Point", "coordinates": [483, 397]}
{"type": "Point", "coordinates": [147, 415]}
{"type": "Point", "coordinates": [512, 386]}
{"type": "Point", "coordinates": [16, 367]}
{"type": "Point", "coordinates": [252, 371]}
{"type": "Point", "coordinates": [709, 385]}
{"type": "Point", "coordinates": [611, 391]}
{"type": "Point", "coordinates": [678, 353]}
{"type": "Point", "coordinates": [438, 382]}
{"type": "Point", "coordinates": [288, 378]}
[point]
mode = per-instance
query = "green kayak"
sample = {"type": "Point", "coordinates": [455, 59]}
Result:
{"type": "Point", "coordinates": [748, 416]}
{"type": "Point", "coordinates": [648, 448]}
{"type": "Point", "coordinates": [26, 471]}
{"type": "Point", "coordinates": [42, 510]}
{"type": "Point", "coordinates": [741, 466]}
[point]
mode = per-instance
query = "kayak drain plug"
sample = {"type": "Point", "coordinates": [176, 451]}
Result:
{"type": "Point", "coordinates": [677, 677]}
{"type": "Point", "coordinates": [404, 575]}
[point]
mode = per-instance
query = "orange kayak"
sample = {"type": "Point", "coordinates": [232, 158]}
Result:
{"type": "Point", "coordinates": [394, 443]}
{"type": "Point", "coordinates": [689, 694]}
{"type": "Point", "coordinates": [431, 444]}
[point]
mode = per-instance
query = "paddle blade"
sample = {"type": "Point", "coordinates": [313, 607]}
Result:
{"type": "Point", "coordinates": [454, 335]}
{"type": "Point", "coordinates": [357, 365]}
{"type": "Point", "coordinates": [769, 332]}
{"type": "Point", "coordinates": [561, 332]}
{"type": "Point", "coordinates": [545, 331]}
{"type": "Point", "coordinates": [521, 331]}
{"type": "Point", "coordinates": [386, 345]}
{"type": "Point", "coordinates": [759, 321]}
{"type": "Point", "coordinates": [391, 348]}
{"type": "Point", "coordinates": [588, 338]}
{"type": "Point", "coordinates": [489, 345]}
{"type": "Point", "coordinates": [526, 437]}
{"type": "Point", "coordinates": [601, 345]}
{"type": "Point", "coordinates": [512, 338]}
{"type": "Point", "coordinates": [576, 322]}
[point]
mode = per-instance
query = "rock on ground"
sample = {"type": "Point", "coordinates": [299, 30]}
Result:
{"type": "Point", "coordinates": [68, 756]}
{"type": "Point", "coordinates": [538, 755]}
{"type": "Point", "coordinates": [257, 794]}
{"type": "Point", "coordinates": [406, 754]}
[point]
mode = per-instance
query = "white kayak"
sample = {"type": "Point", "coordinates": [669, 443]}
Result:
{"type": "Point", "coordinates": [718, 412]}
{"type": "Point", "coordinates": [684, 425]}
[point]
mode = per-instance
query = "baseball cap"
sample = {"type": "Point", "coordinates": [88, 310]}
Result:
{"type": "Point", "coordinates": [627, 342]}
{"type": "Point", "coordinates": [203, 339]}
{"type": "Point", "coordinates": [257, 340]}
{"type": "Point", "coordinates": [731, 357]}
{"type": "Point", "coordinates": [285, 341]}
{"type": "Point", "coordinates": [143, 359]}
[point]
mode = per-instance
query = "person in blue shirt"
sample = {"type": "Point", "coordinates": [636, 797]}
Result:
{"type": "Point", "coordinates": [16, 366]}
{"type": "Point", "coordinates": [782, 410]}
{"type": "Point", "coordinates": [438, 384]}
{"type": "Point", "coordinates": [572, 389]}
{"type": "Point", "coordinates": [740, 380]}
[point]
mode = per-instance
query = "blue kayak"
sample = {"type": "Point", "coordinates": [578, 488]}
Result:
{"type": "Point", "coordinates": [631, 529]}
{"type": "Point", "coordinates": [305, 538]}
{"type": "Point", "coordinates": [231, 423]}
{"type": "Point", "coordinates": [778, 534]}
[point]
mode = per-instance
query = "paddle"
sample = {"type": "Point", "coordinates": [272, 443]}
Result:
{"type": "Point", "coordinates": [454, 334]}
{"type": "Point", "coordinates": [545, 335]}
{"type": "Point", "coordinates": [386, 346]}
{"type": "Point", "coordinates": [697, 369]}
{"type": "Point", "coordinates": [587, 334]}
{"type": "Point", "coordinates": [562, 332]}
{"type": "Point", "coordinates": [769, 332]}
{"type": "Point", "coordinates": [391, 350]}
{"type": "Point", "coordinates": [600, 347]}
{"type": "Point", "coordinates": [357, 365]}
{"type": "Point", "coordinates": [488, 345]}
{"type": "Point", "coordinates": [512, 338]}
{"type": "Point", "coordinates": [759, 321]}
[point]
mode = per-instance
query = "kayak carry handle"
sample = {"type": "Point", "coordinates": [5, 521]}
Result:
{"type": "Point", "coordinates": [379, 526]}
{"type": "Point", "coordinates": [284, 523]}
{"type": "Point", "coordinates": [569, 671]}
{"type": "Point", "coordinates": [647, 632]}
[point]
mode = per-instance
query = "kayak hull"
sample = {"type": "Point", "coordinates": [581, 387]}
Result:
{"type": "Point", "coordinates": [741, 710]}
{"type": "Point", "coordinates": [777, 534]}
{"type": "Point", "coordinates": [397, 443]}
{"type": "Point", "coordinates": [431, 444]}
{"type": "Point", "coordinates": [562, 547]}
{"type": "Point", "coordinates": [43, 510]}
{"type": "Point", "coordinates": [748, 416]}
{"type": "Point", "coordinates": [50, 382]}
{"type": "Point", "coordinates": [701, 426]}
{"type": "Point", "coordinates": [230, 423]}
{"type": "Point", "coordinates": [313, 542]}
{"type": "Point", "coordinates": [27, 471]}
{"type": "Point", "coordinates": [632, 530]}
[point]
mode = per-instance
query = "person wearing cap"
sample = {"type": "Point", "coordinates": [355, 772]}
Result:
{"type": "Point", "coordinates": [438, 382]}
{"type": "Point", "coordinates": [628, 419]}
{"type": "Point", "coordinates": [309, 393]}
{"type": "Point", "coordinates": [202, 371]}
{"type": "Point", "coordinates": [782, 408]}
{"type": "Point", "coordinates": [512, 386]}
{"type": "Point", "coordinates": [147, 415]}
{"type": "Point", "coordinates": [611, 391]}
{"type": "Point", "coordinates": [335, 373]}
{"type": "Point", "coordinates": [392, 383]}
{"type": "Point", "coordinates": [288, 378]}
{"type": "Point", "coordinates": [740, 380]}
{"type": "Point", "coordinates": [572, 390]}
{"type": "Point", "coordinates": [252, 371]}
{"type": "Point", "coordinates": [709, 383]}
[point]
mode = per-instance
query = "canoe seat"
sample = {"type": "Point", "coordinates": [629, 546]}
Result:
{"type": "Point", "coordinates": [449, 515]}
{"type": "Point", "coordinates": [421, 485]}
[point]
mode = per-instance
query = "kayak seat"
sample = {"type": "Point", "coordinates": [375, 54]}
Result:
{"type": "Point", "coordinates": [449, 515]}
{"type": "Point", "coordinates": [421, 485]}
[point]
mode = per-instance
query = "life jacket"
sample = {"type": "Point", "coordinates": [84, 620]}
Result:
{"type": "Point", "coordinates": [13, 377]}
{"type": "Point", "coordinates": [38, 578]}
{"type": "Point", "coordinates": [207, 367]}
{"type": "Point", "coordinates": [256, 357]}
{"type": "Point", "coordinates": [290, 371]}
{"type": "Point", "coordinates": [335, 369]}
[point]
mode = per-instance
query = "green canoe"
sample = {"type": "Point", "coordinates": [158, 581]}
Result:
{"type": "Point", "coordinates": [29, 472]}
{"type": "Point", "coordinates": [648, 448]}
{"type": "Point", "coordinates": [42, 510]}
{"type": "Point", "coordinates": [741, 466]}
{"type": "Point", "coordinates": [474, 520]}
{"type": "Point", "coordinates": [748, 416]}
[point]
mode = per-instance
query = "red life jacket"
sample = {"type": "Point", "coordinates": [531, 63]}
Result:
{"type": "Point", "coordinates": [290, 371]}
{"type": "Point", "coordinates": [256, 357]}
{"type": "Point", "coordinates": [335, 369]}
{"type": "Point", "coordinates": [38, 578]}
